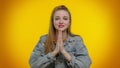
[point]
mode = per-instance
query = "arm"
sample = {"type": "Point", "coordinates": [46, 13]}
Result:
{"type": "Point", "coordinates": [38, 58]}
{"type": "Point", "coordinates": [81, 58]}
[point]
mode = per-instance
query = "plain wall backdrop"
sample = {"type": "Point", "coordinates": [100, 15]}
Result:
{"type": "Point", "coordinates": [24, 21]}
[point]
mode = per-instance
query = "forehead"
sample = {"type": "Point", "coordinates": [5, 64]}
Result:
{"type": "Point", "coordinates": [61, 13]}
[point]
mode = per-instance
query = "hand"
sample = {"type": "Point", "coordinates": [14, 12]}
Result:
{"type": "Point", "coordinates": [56, 51]}
{"type": "Point", "coordinates": [58, 44]}
{"type": "Point", "coordinates": [61, 47]}
{"type": "Point", "coordinates": [60, 41]}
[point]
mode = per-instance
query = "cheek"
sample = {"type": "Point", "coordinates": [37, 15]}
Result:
{"type": "Point", "coordinates": [55, 24]}
{"type": "Point", "coordinates": [67, 24]}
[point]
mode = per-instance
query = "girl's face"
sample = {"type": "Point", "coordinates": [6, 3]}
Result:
{"type": "Point", "coordinates": [61, 20]}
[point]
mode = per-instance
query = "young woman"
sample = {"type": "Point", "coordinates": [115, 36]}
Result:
{"type": "Point", "coordinates": [60, 48]}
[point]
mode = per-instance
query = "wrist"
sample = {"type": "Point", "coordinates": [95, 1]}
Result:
{"type": "Point", "coordinates": [54, 53]}
{"type": "Point", "coordinates": [63, 51]}
{"type": "Point", "coordinates": [67, 55]}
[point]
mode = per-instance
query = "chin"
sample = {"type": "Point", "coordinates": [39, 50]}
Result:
{"type": "Point", "coordinates": [63, 29]}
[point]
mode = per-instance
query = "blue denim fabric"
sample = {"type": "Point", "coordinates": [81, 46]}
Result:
{"type": "Point", "coordinates": [73, 45]}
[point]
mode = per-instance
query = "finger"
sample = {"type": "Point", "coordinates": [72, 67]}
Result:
{"type": "Point", "coordinates": [59, 34]}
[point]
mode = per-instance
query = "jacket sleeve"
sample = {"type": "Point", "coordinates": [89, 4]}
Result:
{"type": "Point", "coordinates": [80, 58]}
{"type": "Point", "coordinates": [38, 58]}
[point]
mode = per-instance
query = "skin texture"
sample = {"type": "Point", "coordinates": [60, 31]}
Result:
{"type": "Point", "coordinates": [61, 23]}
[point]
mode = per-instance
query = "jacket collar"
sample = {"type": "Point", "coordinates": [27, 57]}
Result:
{"type": "Point", "coordinates": [69, 40]}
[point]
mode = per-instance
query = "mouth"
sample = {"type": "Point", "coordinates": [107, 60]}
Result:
{"type": "Point", "coordinates": [60, 26]}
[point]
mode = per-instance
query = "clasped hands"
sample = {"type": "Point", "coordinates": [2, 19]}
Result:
{"type": "Point", "coordinates": [60, 47]}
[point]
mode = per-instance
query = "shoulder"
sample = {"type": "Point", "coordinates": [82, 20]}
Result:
{"type": "Point", "coordinates": [41, 42]}
{"type": "Point", "coordinates": [43, 38]}
{"type": "Point", "coordinates": [78, 42]}
{"type": "Point", "coordinates": [76, 38]}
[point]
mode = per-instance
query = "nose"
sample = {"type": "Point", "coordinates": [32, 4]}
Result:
{"type": "Point", "coordinates": [61, 22]}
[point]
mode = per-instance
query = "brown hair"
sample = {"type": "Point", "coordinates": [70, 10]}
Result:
{"type": "Point", "coordinates": [52, 31]}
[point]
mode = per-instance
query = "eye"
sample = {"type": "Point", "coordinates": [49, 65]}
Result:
{"type": "Point", "coordinates": [57, 18]}
{"type": "Point", "coordinates": [65, 18]}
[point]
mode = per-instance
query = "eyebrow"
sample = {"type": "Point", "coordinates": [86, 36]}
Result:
{"type": "Point", "coordinates": [66, 16]}
{"type": "Point", "coordinates": [56, 16]}
{"type": "Point", "coordinates": [59, 16]}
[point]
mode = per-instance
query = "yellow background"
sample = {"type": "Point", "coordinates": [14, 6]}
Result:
{"type": "Point", "coordinates": [24, 21]}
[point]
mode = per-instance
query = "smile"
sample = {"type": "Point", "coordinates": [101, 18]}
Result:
{"type": "Point", "coordinates": [61, 26]}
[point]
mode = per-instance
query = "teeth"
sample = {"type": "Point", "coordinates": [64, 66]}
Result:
{"type": "Point", "coordinates": [61, 26]}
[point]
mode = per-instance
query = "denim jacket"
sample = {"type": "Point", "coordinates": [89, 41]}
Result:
{"type": "Point", "coordinates": [73, 45]}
